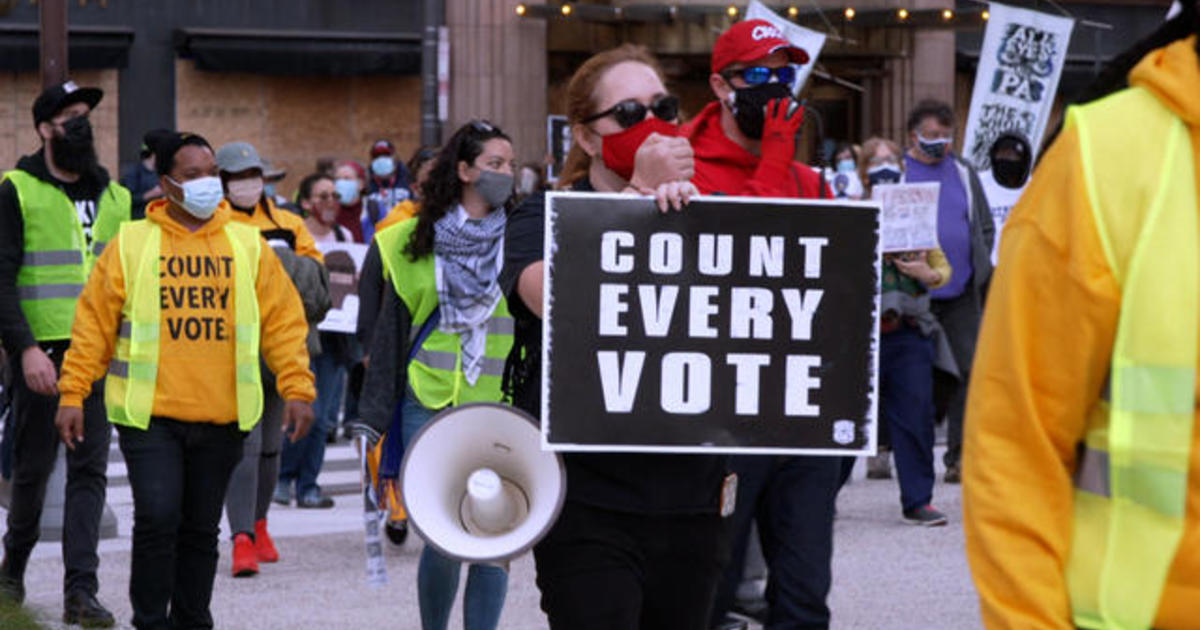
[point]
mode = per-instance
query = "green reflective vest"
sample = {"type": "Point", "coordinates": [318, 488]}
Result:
{"type": "Point", "coordinates": [57, 259]}
{"type": "Point", "coordinates": [1132, 477]}
{"type": "Point", "coordinates": [133, 373]}
{"type": "Point", "coordinates": [435, 374]}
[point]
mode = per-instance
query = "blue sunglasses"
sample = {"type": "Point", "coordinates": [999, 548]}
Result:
{"type": "Point", "coordinates": [759, 75]}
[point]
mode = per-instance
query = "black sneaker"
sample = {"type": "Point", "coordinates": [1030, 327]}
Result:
{"type": "Point", "coordinates": [85, 610]}
{"type": "Point", "coordinates": [953, 474]}
{"type": "Point", "coordinates": [12, 587]}
{"type": "Point", "coordinates": [925, 516]}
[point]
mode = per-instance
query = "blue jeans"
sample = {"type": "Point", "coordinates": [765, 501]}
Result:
{"type": "Point", "coordinates": [437, 575]}
{"type": "Point", "coordinates": [906, 390]}
{"type": "Point", "coordinates": [301, 461]}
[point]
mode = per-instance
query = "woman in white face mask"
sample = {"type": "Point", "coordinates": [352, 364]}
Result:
{"type": "Point", "coordinates": [252, 486]}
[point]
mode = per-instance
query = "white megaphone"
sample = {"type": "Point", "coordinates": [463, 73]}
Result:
{"type": "Point", "coordinates": [477, 485]}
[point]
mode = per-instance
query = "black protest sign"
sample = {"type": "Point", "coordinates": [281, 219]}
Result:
{"type": "Point", "coordinates": [737, 325]}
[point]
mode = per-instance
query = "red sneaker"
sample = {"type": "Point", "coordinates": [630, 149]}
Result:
{"type": "Point", "coordinates": [263, 543]}
{"type": "Point", "coordinates": [245, 558]}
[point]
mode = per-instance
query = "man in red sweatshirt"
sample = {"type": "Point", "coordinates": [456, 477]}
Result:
{"type": "Point", "coordinates": [745, 141]}
{"type": "Point", "coordinates": [745, 144]}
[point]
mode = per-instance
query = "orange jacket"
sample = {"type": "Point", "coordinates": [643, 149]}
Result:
{"type": "Point", "coordinates": [1042, 359]}
{"type": "Point", "coordinates": [402, 211]}
{"type": "Point", "coordinates": [274, 218]}
{"type": "Point", "coordinates": [196, 372]}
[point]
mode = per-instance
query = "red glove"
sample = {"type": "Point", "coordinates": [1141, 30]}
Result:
{"type": "Point", "coordinates": [780, 129]}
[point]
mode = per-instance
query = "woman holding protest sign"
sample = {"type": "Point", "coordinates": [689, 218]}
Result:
{"type": "Point", "coordinates": [443, 267]}
{"type": "Point", "coordinates": [643, 529]}
{"type": "Point", "coordinates": [909, 336]}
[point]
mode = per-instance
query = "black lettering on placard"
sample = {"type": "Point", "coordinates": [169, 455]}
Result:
{"type": "Point", "coordinates": [197, 325]}
{"type": "Point", "coordinates": [733, 325]}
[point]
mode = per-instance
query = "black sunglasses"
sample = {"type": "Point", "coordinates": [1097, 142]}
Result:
{"type": "Point", "coordinates": [629, 113]}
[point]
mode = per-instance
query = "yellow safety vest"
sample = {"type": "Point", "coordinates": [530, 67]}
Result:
{"type": "Point", "coordinates": [133, 373]}
{"type": "Point", "coordinates": [57, 260]}
{"type": "Point", "coordinates": [1132, 477]}
{"type": "Point", "coordinates": [435, 373]}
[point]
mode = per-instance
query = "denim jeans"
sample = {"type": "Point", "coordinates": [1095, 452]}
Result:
{"type": "Point", "coordinates": [437, 575]}
{"type": "Point", "coordinates": [178, 472]}
{"type": "Point", "coordinates": [906, 392]}
{"type": "Point", "coordinates": [301, 461]}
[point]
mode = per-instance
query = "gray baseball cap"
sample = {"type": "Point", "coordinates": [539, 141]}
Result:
{"type": "Point", "coordinates": [236, 157]}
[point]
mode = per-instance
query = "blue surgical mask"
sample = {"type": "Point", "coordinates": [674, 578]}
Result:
{"type": "Point", "coordinates": [201, 196]}
{"type": "Point", "coordinates": [347, 191]}
{"type": "Point", "coordinates": [935, 149]}
{"type": "Point", "coordinates": [269, 190]}
{"type": "Point", "coordinates": [845, 166]}
{"type": "Point", "coordinates": [383, 166]}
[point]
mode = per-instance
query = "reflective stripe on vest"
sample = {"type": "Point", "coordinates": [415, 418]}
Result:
{"type": "Point", "coordinates": [56, 260]}
{"type": "Point", "coordinates": [435, 373]}
{"type": "Point", "coordinates": [1132, 475]}
{"type": "Point", "coordinates": [133, 371]}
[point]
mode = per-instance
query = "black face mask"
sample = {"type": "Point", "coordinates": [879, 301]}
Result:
{"type": "Point", "coordinates": [884, 175]}
{"type": "Point", "coordinates": [74, 150]}
{"type": "Point", "coordinates": [1010, 173]}
{"type": "Point", "coordinates": [750, 103]}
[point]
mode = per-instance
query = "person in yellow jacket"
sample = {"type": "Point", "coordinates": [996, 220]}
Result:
{"type": "Point", "coordinates": [1082, 478]}
{"type": "Point", "coordinates": [176, 312]}
{"type": "Point", "coordinates": [58, 208]}
{"type": "Point", "coordinates": [253, 483]}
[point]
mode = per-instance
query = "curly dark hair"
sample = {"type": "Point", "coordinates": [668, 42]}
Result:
{"type": "Point", "coordinates": [443, 189]}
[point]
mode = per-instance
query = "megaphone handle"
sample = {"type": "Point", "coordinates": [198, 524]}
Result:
{"type": "Point", "coordinates": [372, 540]}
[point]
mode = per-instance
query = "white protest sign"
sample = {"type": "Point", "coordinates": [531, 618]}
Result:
{"type": "Point", "coordinates": [1019, 67]}
{"type": "Point", "coordinates": [811, 41]}
{"type": "Point", "coordinates": [910, 214]}
{"type": "Point", "coordinates": [344, 262]}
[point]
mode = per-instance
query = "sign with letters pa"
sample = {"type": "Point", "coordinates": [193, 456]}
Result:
{"type": "Point", "coordinates": [738, 325]}
{"type": "Point", "coordinates": [1019, 67]}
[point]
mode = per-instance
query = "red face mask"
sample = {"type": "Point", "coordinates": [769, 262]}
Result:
{"type": "Point", "coordinates": [620, 148]}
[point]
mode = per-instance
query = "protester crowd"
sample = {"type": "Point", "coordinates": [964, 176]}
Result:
{"type": "Point", "coordinates": [158, 306]}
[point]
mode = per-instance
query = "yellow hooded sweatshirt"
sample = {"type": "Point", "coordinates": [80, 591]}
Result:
{"type": "Point", "coordinates": [272, 217]}
{"type": "Point", "coordinates": [196, 379]}
{"type": "Point", "coordinates": [1042, 359]}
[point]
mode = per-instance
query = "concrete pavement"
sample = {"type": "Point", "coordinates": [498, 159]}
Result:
{"type": "Point", "coordinates": [886, 574]}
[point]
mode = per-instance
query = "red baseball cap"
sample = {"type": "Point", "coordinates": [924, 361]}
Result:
{"type": "Point", "coordinates": [750, 40]}
{"type": "Point", "coordinates": [382, 147]}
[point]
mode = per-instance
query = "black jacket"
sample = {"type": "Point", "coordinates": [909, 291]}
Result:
{"type": "Point", "coordinates": [14, 329]}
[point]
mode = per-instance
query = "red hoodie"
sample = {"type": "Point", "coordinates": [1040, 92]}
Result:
{"type": "Point", "coordinates": [725, 168]}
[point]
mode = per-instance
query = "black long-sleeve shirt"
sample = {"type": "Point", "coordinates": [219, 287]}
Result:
{"type": "Point", "coordinates": [14, 329]}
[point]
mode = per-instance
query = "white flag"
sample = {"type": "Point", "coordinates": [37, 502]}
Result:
{"type": "Point", "coordinates": [811, 41]}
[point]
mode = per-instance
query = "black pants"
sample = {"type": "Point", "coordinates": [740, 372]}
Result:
{"type": "Point", "coordinates": [605, 570]}
{"type": "Point", "coordinates": [792, 500]}
{"type": "Point", "coordinates": [178, 472]}
{"type": "Point", "coordinates": [35, 449]}
{"type": "Point", "coordinates": [960, 318]}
